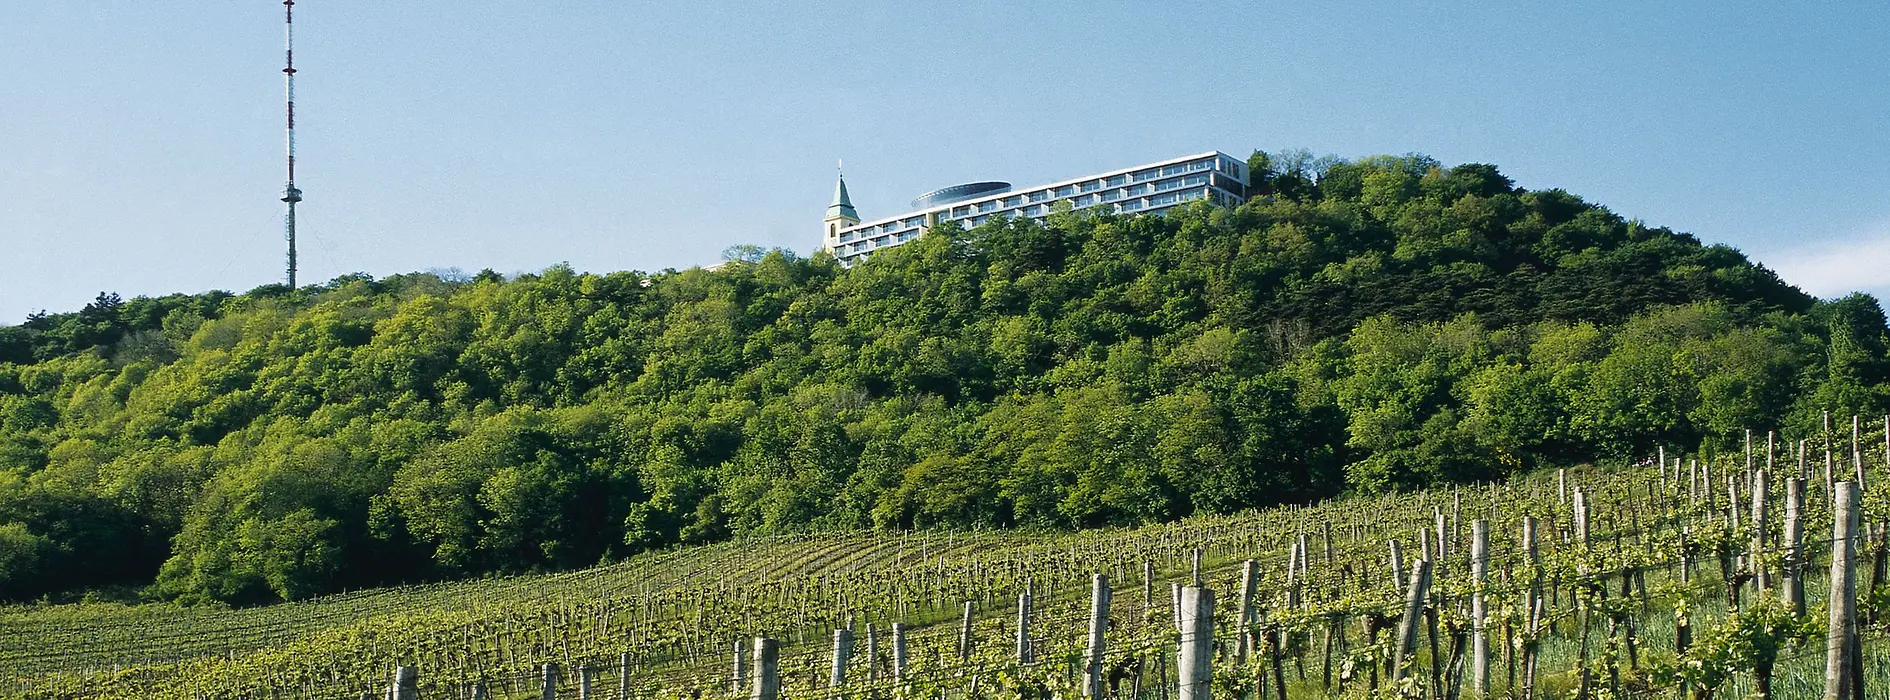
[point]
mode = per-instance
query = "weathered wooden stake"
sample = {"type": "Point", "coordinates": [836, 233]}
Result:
{"type": "Point", "coordinates": [1748, 454]}
{"type": "Point", "coordinates": [1829, 462]}
{"type": "Point", "coordinates": [548, 685]}
{"type": "Point", "coordinates": [872, 653]}
{"type": "Point", "coordinates": [1479, 570]}
{"type": "Point", "coordinates": [1581, 517]}
{"type": "Point", "coordinates": [964, 633]}
{"type": "Point", "coordinates": [1531, 651]}
{"type": "Point", "coordinates": [1194, 662]}
{"type": "Point", "coordinates": [1292, 565]}
{"type": "Point", "coordinates": [1792, 573]}
{"type": "Point", "coordinates": [767, 670]}
{"type": "Point", "coordinates": [842, 652]}
{"type": "Point", "coordinates": [1761, 579]}
{"type": "Point", "coordinates": [1023, 628]}
{"type": "Point", "coordinates": [738, 669]}
{"type": "Point", "coordinates": [1243, 625]}
{"type": "Point", "coordinates": [1174, 604]}
{"type": "Point", "coordinates": [623, 676]}
{"type": "Point", "coordinates": [1305, 552]}
{"type": "Point", "coordinates": [1529, 556]}
{"type": "Point", "coordinates": [1842, 632]}
{"type": "Point", "coordinates": [899, 654]}
{"type": "Point", "coordinates": [406, 684]}
{"type": "Point", "coordinates": [1098, 626]}
{"type": "Point", "coordinates": [1857, 451]}
{"type": "Point", "coordinates": [1415, 595]}
{"type": "Point", "coordinates": [1397, 563]}
{"type": "Point", "coordinates": [1440, 563]}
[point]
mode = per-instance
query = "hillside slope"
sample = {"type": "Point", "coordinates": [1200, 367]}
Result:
{"type": "Point", "coordinates": [1635, 545]}
{"type": "Point", "coordinates": [1373, 326]}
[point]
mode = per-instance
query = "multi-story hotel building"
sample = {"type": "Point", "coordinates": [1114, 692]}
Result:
{"type": "Point", "coordinates": [1213, 176]}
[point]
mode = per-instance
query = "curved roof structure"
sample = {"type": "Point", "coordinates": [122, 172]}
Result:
{"type": "Point", "coordinates": [959, 193]}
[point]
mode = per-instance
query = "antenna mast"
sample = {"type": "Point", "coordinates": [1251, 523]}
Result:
{"type": "Point", "coordinates": [290, 194]}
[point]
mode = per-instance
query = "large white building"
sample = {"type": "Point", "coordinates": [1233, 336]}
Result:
{"type": "Point", "coordinates": [1214, 176]}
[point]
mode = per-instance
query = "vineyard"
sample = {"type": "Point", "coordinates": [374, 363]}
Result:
{"type": "Point", "coordinates": [1675, 577]}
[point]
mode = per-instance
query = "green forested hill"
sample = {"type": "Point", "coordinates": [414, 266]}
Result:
{"type": "Point", "coordinates": [1367, 326]}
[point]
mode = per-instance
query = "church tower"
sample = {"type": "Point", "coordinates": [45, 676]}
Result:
{"type": "Point", "coordinates": [840, 214]}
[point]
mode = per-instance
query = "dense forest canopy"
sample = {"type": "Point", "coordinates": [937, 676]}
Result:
{"type": "Point", "coordinates": [1363, 326]}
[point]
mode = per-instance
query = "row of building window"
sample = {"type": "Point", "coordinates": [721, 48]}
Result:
{"type": "Point", "coordinates": [1127, 190]}
{"type": "Point", "coordinates": [1070, 191]}
{"type": "Point", "coordinates": [1132, 205]}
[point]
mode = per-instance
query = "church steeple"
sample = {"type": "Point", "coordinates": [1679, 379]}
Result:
{"type": "Point", "coordinates": [840, 213]}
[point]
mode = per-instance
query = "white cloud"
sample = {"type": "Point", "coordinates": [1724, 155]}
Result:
{"type": "Point", "coordinates": [1834, 268]}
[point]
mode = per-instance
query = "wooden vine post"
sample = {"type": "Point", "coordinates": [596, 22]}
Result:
{"type": "Point", "coordinates": [1748, 455]}
{"type": "Point", "coordinates": [623, 674]}
{"type": "Point", "coordinates": [1479, 570]}
{"type": "Point", "coordinates": [1174, 604]}
{"type": "Point", "coordinates": [1829, 461]}
{"type": "Point", "coordinates": [1397, 563]}
{"type": "Point", "coordinates": [899, 654]}
{"type": "Point", "coordinates": [406, 684]}
{"type": "Point", "coordinates": [1243, 624]}
{"type": "Point", "coordinates": [1857, 452]}
{"type": "Point", "coordinates": [1841, 637]}
{"type": "Point", "coordinates": [738, 670]}
{"type": "Point", "coordinates": [872, 653]}
{"type": "Point", "coordinates": [1760, 581]}
{"type": "Point", "coordinates": [1530, 557]}
{"type": "Point", "coordinates": [548, 682]}
{"type": "Point", "coordinates": [1023, 627]}
{"type": "Point", "coordinates": [1414, 598]}
{"type": "Point", "coordinates": [1194, 661]}
{"type": "Point", "coordinates": [1098, 625]}
{"type": "Point", "coordinates": [842, 652]}
{"type": "Point", "coordinates": [1581, 518]}
{"type": "Point", "coordinates": [1792, 573]}
{"type": "Point", "coordinates": [767, 658]}
{"type": "Point", "coordinates": [1436, 555]}
{"type": "Point", "coordinates": [964, 633]}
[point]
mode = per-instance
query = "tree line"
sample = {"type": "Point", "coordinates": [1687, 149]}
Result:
{"type": "Point", "coordinates": [1359, 326]}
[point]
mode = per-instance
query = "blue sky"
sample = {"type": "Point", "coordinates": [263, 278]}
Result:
{"type": "Point", "coordinates": [140, 143]}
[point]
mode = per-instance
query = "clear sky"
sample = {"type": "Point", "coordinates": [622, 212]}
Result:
{"type": "Point", "coordinates": [140, 142]}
